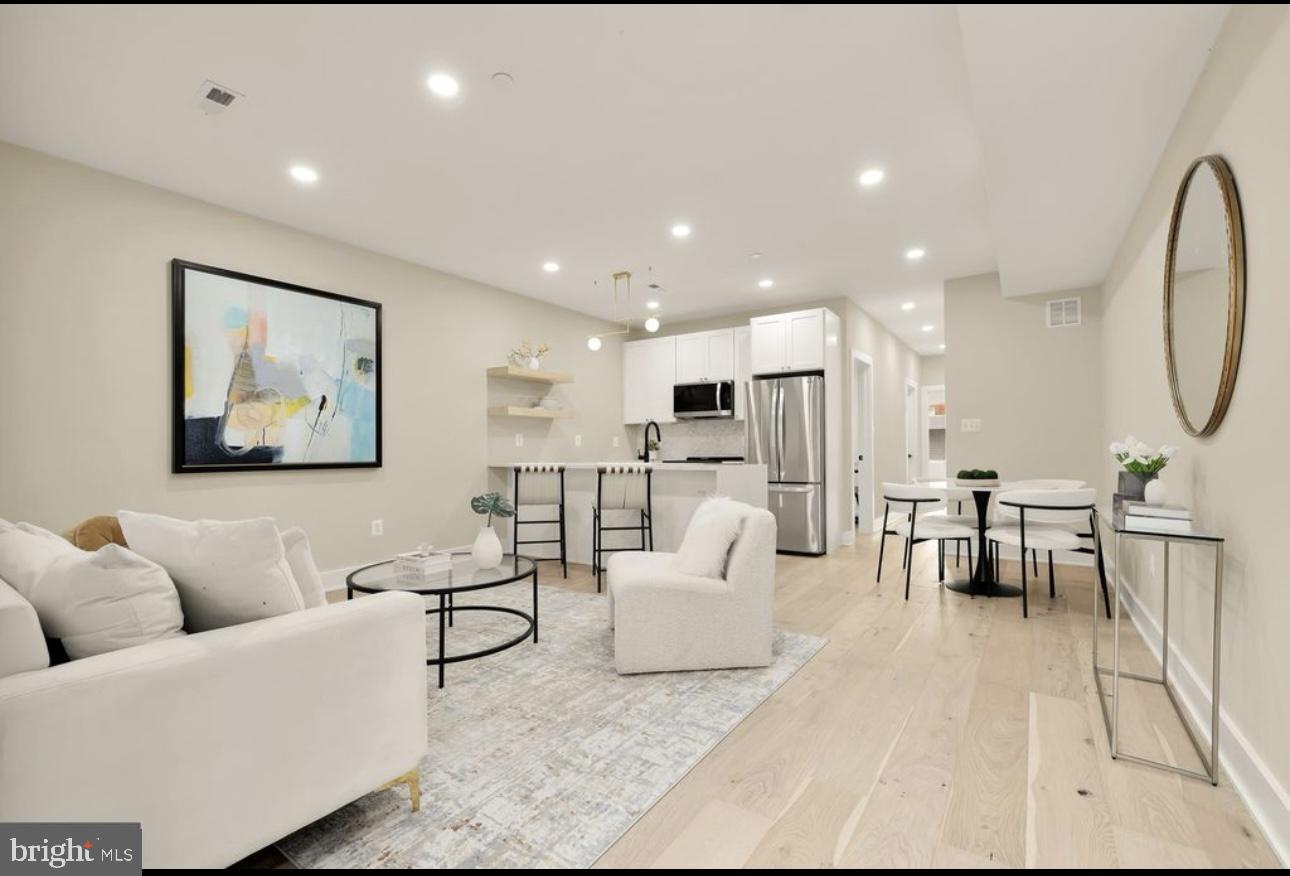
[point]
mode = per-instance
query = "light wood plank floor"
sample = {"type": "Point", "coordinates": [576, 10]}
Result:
{"type": "Point", "coordinates": [940, 732]}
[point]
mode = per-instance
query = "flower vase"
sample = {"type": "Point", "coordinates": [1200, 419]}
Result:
{"type": "Point", "coordinates": [487, 549]}
{"type": "Point", "coordinates": [1133, 486]}
{"type": "Point", "coordinates": [1155, 493]}
{"type": "Point", "coordinates": [535, 364]}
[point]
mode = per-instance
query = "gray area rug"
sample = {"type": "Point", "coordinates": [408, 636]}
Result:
{"type": "Point", "coordinates": [542, 756]}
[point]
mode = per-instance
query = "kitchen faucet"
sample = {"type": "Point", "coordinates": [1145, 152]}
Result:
{"type": "Point", "coordinates": [658, 436]}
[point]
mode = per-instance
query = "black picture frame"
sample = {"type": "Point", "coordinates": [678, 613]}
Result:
{"type": "Point", "coordinates": [179, 464]}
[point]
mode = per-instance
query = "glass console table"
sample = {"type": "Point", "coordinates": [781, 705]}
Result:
{"type": "Point", "coordinates": [1111, 716]}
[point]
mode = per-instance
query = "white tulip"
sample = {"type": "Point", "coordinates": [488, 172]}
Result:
{"type": "Point", "coordinates": [1168, 451]}
{"type": "Point", "coordinates": [1118, 447]}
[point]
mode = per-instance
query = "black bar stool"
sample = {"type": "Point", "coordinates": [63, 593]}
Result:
{"type": "Point", "coordinates": [543, 486]}
{"type": "Point", "coordinates": [625, 486]}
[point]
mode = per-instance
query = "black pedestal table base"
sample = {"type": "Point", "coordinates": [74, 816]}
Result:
{"type": "Point", "coordinates": [983, 581]}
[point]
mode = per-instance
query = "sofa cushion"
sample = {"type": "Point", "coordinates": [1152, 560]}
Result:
{"type": "Point", "coordinates": [22, 644]}
{"type": "Point", "coordinates": [706, 545]}
{"type": "Point", "coordinates": [93, 601]}
{"type": "Point", "coordinates": [227, 572]}
{"type": "Point", "coordinates": [303, 568]}
{"type": "Point", "coordinates": [94, 532]}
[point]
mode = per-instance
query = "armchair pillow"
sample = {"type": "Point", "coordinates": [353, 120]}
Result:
{"type": "Point", "coordinates": [706, 546]}
{"type": "Point", "coordinates": [303, 568]}
{"type": "Point", "coordinates": [226, 572]}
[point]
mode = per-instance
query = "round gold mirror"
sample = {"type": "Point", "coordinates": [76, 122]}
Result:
{"type": "Point", "coordinates": [1204, 310]}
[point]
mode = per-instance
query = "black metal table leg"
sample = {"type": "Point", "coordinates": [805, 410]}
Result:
{"type": "Point", "coordinates": [442, 613]}
{"type": "Point", "coordinates": [984, 581]}
{"type": "Point", "coordinates": [535, 606]}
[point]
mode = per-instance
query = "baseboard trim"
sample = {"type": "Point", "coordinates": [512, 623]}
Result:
{"type": "Point", "coordinates": [1268, 801]}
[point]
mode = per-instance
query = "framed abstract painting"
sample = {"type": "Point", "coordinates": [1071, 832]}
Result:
{"type": "Point", "coordinates": [269, 375]}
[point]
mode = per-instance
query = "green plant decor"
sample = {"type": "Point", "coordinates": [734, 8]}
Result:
{"type": "Point", "coordinates": [1141, 459]}
{"type": "Point", "coordinates": [492, 504]}
{"type": "Point", "coordinates": [977, 474]}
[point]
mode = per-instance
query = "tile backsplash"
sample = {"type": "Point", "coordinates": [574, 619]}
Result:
{"type": "Point", "coordinates": [698, 438]}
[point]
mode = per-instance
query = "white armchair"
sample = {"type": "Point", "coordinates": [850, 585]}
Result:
{"type": "Point", "coordinates": [665, 620]}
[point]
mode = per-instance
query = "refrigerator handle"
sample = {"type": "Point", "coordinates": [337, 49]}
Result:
{"type": "Point", "coordinates": [778, 425]}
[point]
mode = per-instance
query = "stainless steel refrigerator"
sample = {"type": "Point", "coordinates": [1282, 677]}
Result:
{"type": "Point", "coordinates": [786, 433]}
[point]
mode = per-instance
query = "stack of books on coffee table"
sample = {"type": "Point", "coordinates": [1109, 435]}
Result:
{"type": "Point", "coordinates": [425, 562]}
{"type": "Point", "coordinates": [1156, 518]}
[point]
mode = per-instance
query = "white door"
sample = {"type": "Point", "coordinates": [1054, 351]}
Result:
{"type": "Point", "coordinates": [769, 344]}
{"type": "Point", "coordinates": [691, 358]}
{"type": "Point", "coordinates": [743, 369]}
{"type": "Point", "coordinates": [806, 341]}
{"type": "Point", "coordinates": [720, 355]}
{"type": "Point", "coordinates": [635, 381]}
{"type": "Point", "coordinates": [662, 377]}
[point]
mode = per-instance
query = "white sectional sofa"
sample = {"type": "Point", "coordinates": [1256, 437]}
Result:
{"type": "Point", "coordinates": [218, 742]}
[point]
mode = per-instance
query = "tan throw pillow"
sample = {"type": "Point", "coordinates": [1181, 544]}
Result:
{"type": "Point", "coordinates": [94, 533]}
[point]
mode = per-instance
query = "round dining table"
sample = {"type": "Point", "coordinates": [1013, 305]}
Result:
{"type": "Point", "coordinates": [983, 581]}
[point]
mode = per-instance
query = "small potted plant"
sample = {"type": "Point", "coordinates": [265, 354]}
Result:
{"type": "Point", "coordinates": [528, 356]}
{"type": "Point", "coordinates": [1141, 467]}
{"type": "Point", "coordinates": [487, 549]}
{"type": "Point", "coordinates": [977, 477]}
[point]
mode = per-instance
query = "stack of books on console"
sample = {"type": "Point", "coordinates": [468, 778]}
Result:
{"type": "Point", "coordinates": [1156, 518]}
{"type": "Point", "coordinates": [425, 562]}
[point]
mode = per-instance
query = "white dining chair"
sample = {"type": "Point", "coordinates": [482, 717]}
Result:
{"type": "Point", "coordinates": [953, 513]}
{"type": "Point", "coordinates": [911, 504]}
{"type": "Point", "coordinates": [1045, 520]}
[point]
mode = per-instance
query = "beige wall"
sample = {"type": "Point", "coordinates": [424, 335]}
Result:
{"type": "Point", "coordinates": [1235, 480]}
{"type": "Point", "coordinates": [1035, 390]}
{"type": "Point", "coordinates": [932, 369]}
{"type": "Point", "coordinates": [84, 279]}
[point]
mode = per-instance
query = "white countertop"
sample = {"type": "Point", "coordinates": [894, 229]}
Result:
{"type": "Point", "coordinates": [658, 466]}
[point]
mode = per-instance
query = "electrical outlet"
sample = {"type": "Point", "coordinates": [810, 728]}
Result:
{"type": "Point", "coordinates": [615, 440]}
{"type": "Point", "coordinates": [577, 440]}
{"type": "Point", "coordinates": [378, 527]}
{"type": "Point", "coordinates": [972, 425]}
{"type": "Point", "coordinates": [519, 439]}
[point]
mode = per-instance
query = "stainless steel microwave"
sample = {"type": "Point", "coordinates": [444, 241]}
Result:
{"type": "Point", "coordinates": [696, 401]}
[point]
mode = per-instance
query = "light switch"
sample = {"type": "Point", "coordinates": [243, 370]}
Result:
{"type": "Point", "coordinates": [577, 440]}
{"type": "Point", "coordinates": [970, 425]}
{"type": "Point", "coordinates": [519, 439]}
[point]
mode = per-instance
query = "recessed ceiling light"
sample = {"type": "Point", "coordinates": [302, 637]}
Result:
{"type": "Point", "coordinates": [593, 343]}
{"type": "Point", "coordinates": [908, 305]}
{"type": "Point", "coordinates": [652, 324]}
{"type": "Point", "coordinates": [304, 174]}
{"type": "Point", "coordinates": [915, 253]}
{"type": "Point", "coordinates": [680, 229]}
{"type": "Point", "coordinates": [652, 305]}
{"type": "Point", "coordinates": [766, 283]}
{"type": "Point", "coordinates": [550, 267]}
{"type": "Point", "coordinates": [942, 346]}
{"type": "Point", "coordinates": [871, 177]}
{"type": "Point", "coordinates": [754, 255]}
{"type": "Point", "coordinates": [443, 85]}
{"type": "Point", "coordinates": [929, 327]}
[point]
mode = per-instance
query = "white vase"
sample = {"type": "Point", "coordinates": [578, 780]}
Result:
{"type": "Point", "coordinates": [535, 364]}
{"type": "Point", "coordinates": [487, 549]}
{"type": "Point", "coordinates": [1156, 493]}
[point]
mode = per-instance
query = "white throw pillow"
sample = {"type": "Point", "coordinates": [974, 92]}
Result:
{"type": "Point", "coordinates": [303, 568]}
{"type": "Point", "coordinates": [94, 601]}
{"type": "Point", "coordinates": [226, 572]}
{"type": "Point", "coordinates": [712, 530]}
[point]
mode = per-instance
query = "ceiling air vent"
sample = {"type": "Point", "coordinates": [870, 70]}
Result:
{"type": "Point", "coordinates": [214, 98]}
{"type": "Point", "coordinates": [1063, 312]}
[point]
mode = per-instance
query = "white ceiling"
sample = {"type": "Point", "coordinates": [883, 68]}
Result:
{"type": "Point", "coordinates": [749, 123]}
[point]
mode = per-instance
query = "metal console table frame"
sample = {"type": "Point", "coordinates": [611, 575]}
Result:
{"type": "Point", "coordinates": [1111, 716]}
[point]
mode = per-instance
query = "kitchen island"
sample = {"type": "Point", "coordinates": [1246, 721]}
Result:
{"type": "Point", "coordinates": [678, 488]}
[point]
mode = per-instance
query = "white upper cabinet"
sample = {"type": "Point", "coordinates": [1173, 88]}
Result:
{"type": "Point", "coordinates": [702, 357]}
{"type": "Point", "coordinates": [721, 354]}
{"type": "Point", "coordinates": [649, 372]}
{"type": "Point", "coordinates": [769, 336]}
{"type": "Point", "coordinates": [788, 342]}
{"type": "Point", "coordinates": [743, 369]}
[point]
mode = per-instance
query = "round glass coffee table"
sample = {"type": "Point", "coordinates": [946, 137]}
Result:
{"type": "Point", "coordinates": [463, 577]}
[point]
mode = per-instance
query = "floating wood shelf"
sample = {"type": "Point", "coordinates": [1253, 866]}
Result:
{"type": "Point", "coordinates": [536, 413]}
{"type": "Point", "coordinates": [514, 373]}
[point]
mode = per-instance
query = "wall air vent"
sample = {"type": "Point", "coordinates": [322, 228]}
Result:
{"type": "Point", "coordinates": [212, 98]}
{"type": "Point", "coordinates": [1063, 312]}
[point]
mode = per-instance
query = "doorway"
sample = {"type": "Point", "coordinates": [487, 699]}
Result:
{"type": "Point", "coordinates": [862, 443]}
{"type": "Point", "coordinates": [912, 421]}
